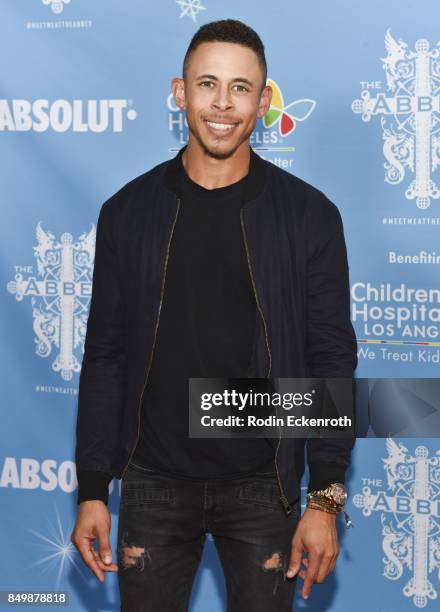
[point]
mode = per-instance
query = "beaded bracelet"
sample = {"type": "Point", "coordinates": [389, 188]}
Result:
{"type": "Point", "coordinates": [318, 503]}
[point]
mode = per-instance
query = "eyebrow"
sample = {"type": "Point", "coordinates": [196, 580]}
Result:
{"type": "Point", "coordinates": [235, 80]}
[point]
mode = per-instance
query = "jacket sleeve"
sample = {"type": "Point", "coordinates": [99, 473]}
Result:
{"type": "Point", "coordinates": [331, 349]}
{"type": "Point", "coordinates": [103, 373]}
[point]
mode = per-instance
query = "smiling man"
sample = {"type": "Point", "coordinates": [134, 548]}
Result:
{"type": "Point", "coordinates": [213, 264]}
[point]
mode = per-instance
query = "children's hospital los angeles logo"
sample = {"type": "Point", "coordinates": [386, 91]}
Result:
{"type": "Point", "coordinates": [409, 115]}
{"type": "Point", "coordinates": [286, 116]}
{"type": "Point", "coordinates": [60, 293]}
{"type": "Point", "coordinates": [271, 135]}
{"type": "Point", "coordinates": [409, 507]}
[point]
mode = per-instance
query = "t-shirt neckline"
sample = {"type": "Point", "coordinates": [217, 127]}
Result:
{"type": "Point", "coordinates": [190, 187]}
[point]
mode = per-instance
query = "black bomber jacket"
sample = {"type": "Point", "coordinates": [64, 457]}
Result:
{"type": "Point", "coordinates": [297, 260]}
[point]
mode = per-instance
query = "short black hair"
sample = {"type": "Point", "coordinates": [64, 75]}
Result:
{"type": "Point", "coordinates": [228, 30]}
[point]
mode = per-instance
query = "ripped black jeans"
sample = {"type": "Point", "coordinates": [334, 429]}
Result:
{"type": "Point", "coordinates": [161, 533]}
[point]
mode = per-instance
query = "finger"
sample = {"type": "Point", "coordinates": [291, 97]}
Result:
{"type": "Point", "coordinates": [333, 562]}
{"type": "Point", "coordinates": [112, 567]}
{"type": "Point", "coordinates": [106, 568]}
{"type": "Point", "coordinates": [302, 573]}
{"type": "Point", "coordinates": [336, 551]}
{"type": "Point", "coordinates": [295, 558]}
{"type": "Point", "coordinates": [324, 568]}
{"type": "Point", "coordinates": [84, 547]}
{"type": "Point", "coordinates": [333, 565]}
{"type": "Point", "coordinates": [312, 571]}
{"type": "Point", "coordinates": [105, 551]}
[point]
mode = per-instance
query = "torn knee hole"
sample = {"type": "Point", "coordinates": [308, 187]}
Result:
{"type": "Point", "coordinates": [133, 556]}
{"type": "Point", "coordinates": [274, 562]}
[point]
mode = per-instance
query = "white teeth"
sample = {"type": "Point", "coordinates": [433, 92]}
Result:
{"type": "Point", "coordinates": [220, 126]}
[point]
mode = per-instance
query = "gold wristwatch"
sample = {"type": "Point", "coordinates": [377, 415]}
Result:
{"type": "Point", "coordinates": [336, 493]}
{"type": "Point", "coordinates": [331, 499]}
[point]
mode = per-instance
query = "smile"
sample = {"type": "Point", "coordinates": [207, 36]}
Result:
{"type": "Point", "coordinates": [220, 127]}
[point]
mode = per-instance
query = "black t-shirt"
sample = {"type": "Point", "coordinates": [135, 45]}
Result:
{"type": "Point", "coordinates": [206, 329]}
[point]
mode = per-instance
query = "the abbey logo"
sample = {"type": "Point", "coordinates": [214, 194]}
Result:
{"type": "Point", "coordinates": [65, 115]}
{"type": "Point", "coordinates": [60, 294]}
{"type": "Point", "coordinates": [410, 115]}
{"type": "Point", "coordinates": [57, 6]}
{"type": "Point", "coordinates": [410, 516]}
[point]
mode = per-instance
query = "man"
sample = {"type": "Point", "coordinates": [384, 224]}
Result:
{"type": "Point", "coordinates": [215, 263]}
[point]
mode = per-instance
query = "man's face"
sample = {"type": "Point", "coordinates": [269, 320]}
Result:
{"type": "Point", "coordinates": [222, 96]}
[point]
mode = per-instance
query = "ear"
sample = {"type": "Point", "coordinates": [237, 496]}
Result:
{"type": "Point", "coordinates": [178, 89]}
{"type": "Point", "coordinates": [265, 100]}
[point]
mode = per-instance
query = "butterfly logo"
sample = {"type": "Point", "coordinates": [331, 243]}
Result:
{"type": "Point", "coordinates": [299, 110]}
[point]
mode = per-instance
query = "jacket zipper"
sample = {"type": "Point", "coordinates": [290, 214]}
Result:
{"type": "Point", "coordinates": [155, 335]}
{"type": "Point", "coordinates": [283, 498]}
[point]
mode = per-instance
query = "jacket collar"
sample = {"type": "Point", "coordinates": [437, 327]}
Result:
{"type": "Point", "coordinates": [255, 184]}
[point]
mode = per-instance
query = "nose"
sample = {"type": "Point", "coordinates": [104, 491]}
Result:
{"type": "Point", "coordinates": [222, 99]}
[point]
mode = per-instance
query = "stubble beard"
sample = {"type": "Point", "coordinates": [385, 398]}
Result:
{"type": "Point", "coordinates": [214, 153]}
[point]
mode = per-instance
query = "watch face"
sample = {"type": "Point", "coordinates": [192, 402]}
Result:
{"type": "Point", "coordinates": [339, 493]}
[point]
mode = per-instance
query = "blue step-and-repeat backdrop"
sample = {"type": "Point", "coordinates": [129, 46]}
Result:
{"type": "Point", "coordinates": [85, 106]}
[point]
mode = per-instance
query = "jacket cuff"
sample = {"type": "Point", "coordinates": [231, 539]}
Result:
{"type": "Point", "coordinates": [93, 485]}
{"type": "Point", "coordinates": [324, 473]}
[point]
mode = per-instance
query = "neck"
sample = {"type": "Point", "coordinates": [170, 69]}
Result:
{"type": "Point", "coordinates": [213, 173]}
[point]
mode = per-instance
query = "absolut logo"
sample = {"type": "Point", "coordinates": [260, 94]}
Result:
{"type": "Point", "coordinates": [65, 115]}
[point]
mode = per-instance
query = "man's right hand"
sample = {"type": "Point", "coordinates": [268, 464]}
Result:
{"type": "Point", "coordinates": [93, 523]}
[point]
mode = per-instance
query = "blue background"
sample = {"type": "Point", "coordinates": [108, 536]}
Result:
{"type": "Point", "coordinates": [129, 51]}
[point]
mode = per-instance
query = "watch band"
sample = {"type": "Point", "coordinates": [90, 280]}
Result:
{"type": "Point", "coordinates": [336, 492]}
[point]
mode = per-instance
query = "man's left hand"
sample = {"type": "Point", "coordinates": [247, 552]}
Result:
{"type": "Point", "coordinates": [316, 535]}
